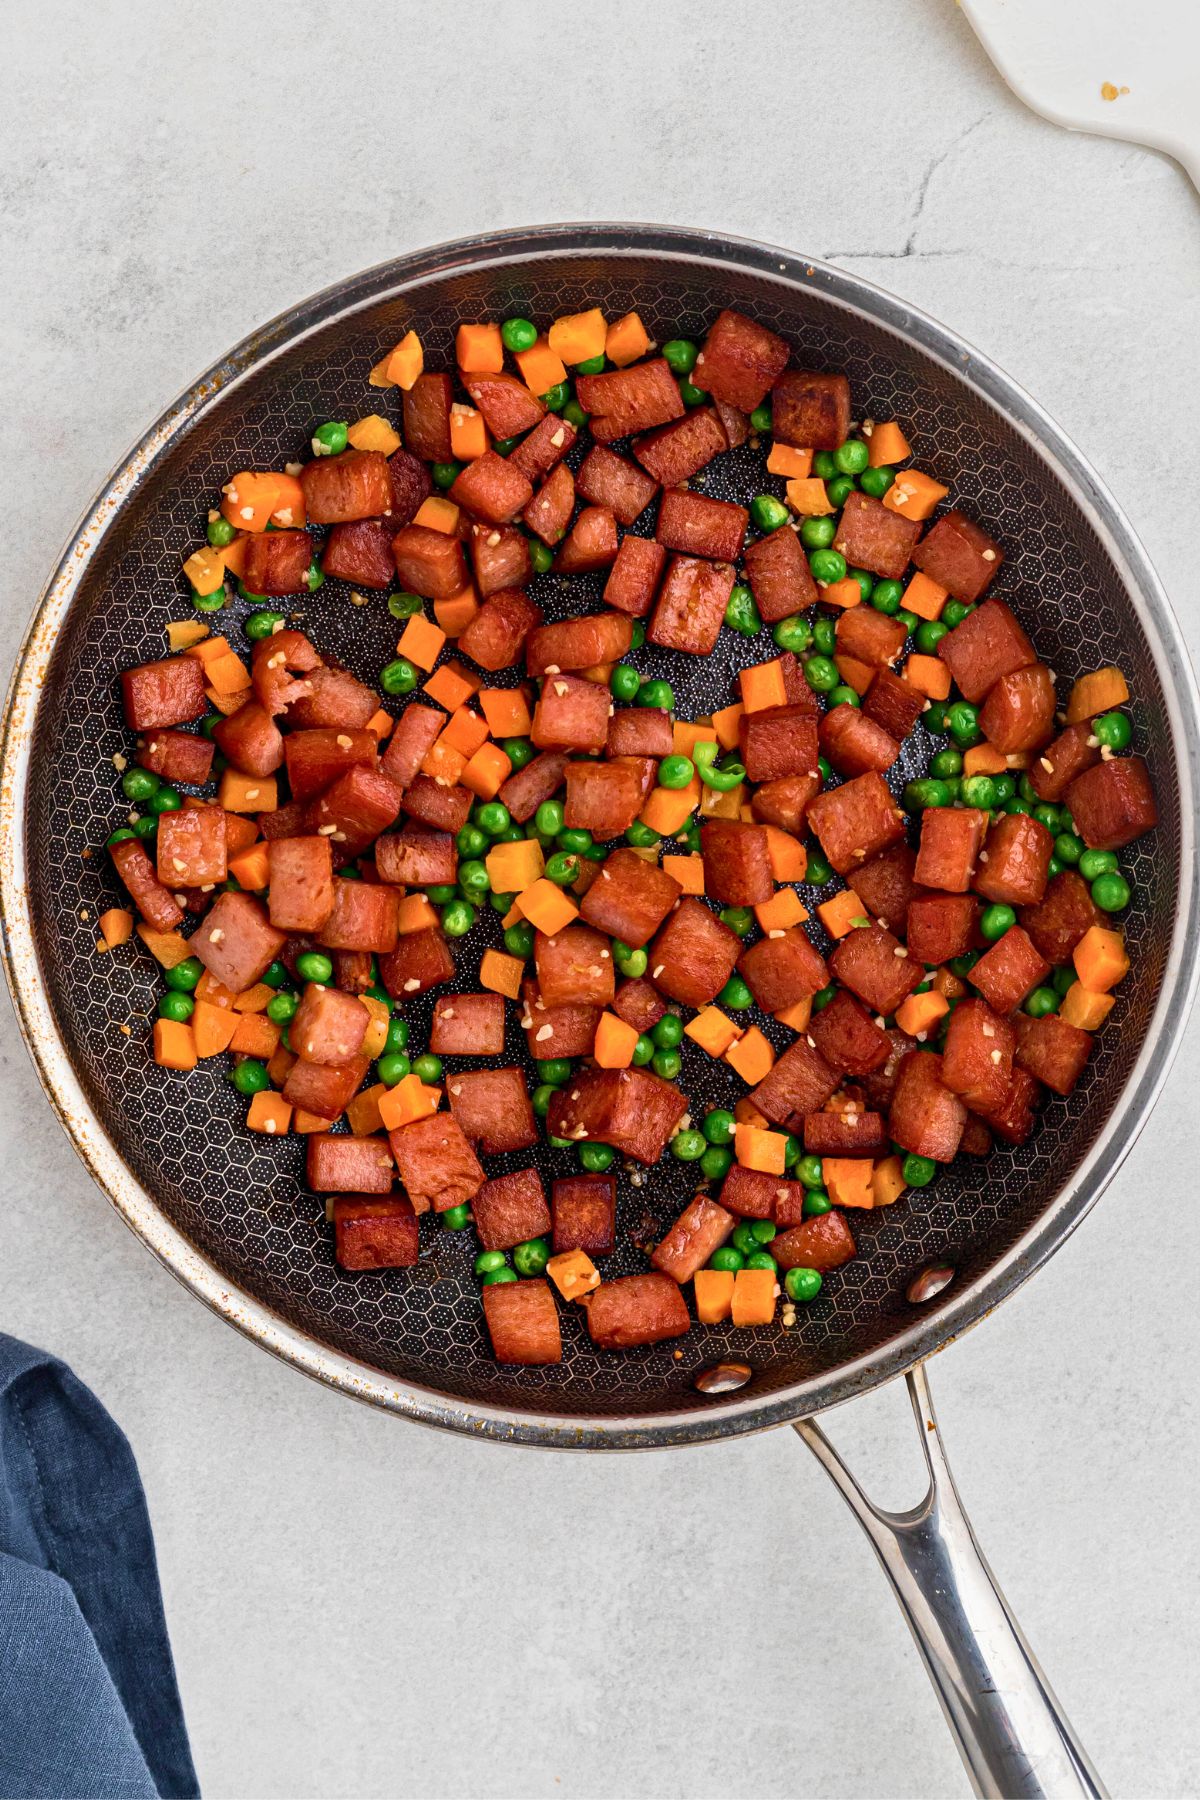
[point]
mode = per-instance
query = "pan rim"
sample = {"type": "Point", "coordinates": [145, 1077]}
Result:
{"type": "Point", "coordinates": [963, 1306]}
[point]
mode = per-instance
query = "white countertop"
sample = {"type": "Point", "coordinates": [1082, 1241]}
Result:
{"type": "Point", "coordinates": [361, 1608]}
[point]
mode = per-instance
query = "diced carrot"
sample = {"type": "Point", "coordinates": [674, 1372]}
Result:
{"type": "Point", "coordinates": [577, 337]}
{"type": "Point", "coordinates": [789, 858]}
{"type": "Point", "coordinates": [438, 514]}
{"type": "Point", "coordinates": [304, 1123]}
{"type": "Point", "coordinates": [182, 634]}
{"type": "Point", "coordinates": [166, 947]}
{"type": "Point", "coordinates": [848, 1180]}
{"type": "Point", "coordinates": [207, 647]}
{"type": "Point", "coordinates": [251, 999]}
{"type": "Point", "coordinates": [783, 909]}
{"type": "Point", "coordinates": [514, 868]}
{"type": "Point", "coordinates": [506, 711]}
{"type": "Point", "coordinates": [513, 916]}
{"type": "Point", "coordinates": [486, 771]}
{"type": "Point", "coordinates": [541, 367]}
{"type": "Point", "coordinates": [1098, 692]}
{"type": "Point", "coordinates": [887, 1181]}
{"type": "Point", "coordinates": [479, 350]}
{"type": "Point", "coordinates": [746, 1113]}
{"type": "Point", "coordinates": [731, 805]}
{"type": "Point", "coordinates": [762, 685]}
{"type": "Point", "coordinates": [174, 1045]}
{"type": "Point", "coordinates": [378, 376]}
{"type": "Point", "coordinates": [600, 673]}
{"type": "Point", "coordinates": [455, 613]}
{"type": "Point", "coordinates": [415, 913]}
{"type": "Point", "coordinates": [713, 1030]}
{"type": "Point", "coordinates": [843, 913]}
{"type": "Point", "coordinates": [845, 593]}
{"type": "Point", "coordinates": [626, 340]}
{"type": "Point", "coordinates": [546, 906]}
{"type": "Point", "coordinates": [270, 1113]}
{"type": "Point", "coordinates": [752, 1056]}
{"type": "Point", "coordinates": [466, 731]}
{"type": "Point", "coordinates": [212, 1028]}
{"type": "Point", "coordinates": [1082, 1007]}
{"type": "Point", "coordinates": [758, 1149]}
{"type": "Point", "coordinates": [406, 362]}
{"type": "Point", "coordinates": [251, 868]}
{"type": "Point", "coordinates": [807, 495]}
{"type": "Point", "coordinates": [924, 597]}
{"type": "Point", "coordinates": [205, 569]}
{"type": "Point", "coordinates": [234, 556]}
{"type": "Point", "coordinates": [381, 723]}
{"type": "Point", "coordinates": [362, 1113]}
{"type": "Point", "coordinates": [255, 1035]}
{"type": "Point", "coordinates": [239, 793]}
{"type": "Point", "coordinates": [929, 675]}
{"type": "Point", "coordinates": [501, 973]}
{"type": "Point", "coordinates": [858, 675]}
{"type": "Point", "coordinates": [409, 1100]}
{"type": "Point", "coordinates": [116, 927]}
{"type": "Point", "coordinates": [289, 508]}
{"type": "Point", "coordinates": [228, 674]}
{"type": "Point", "coordinates": [947, 983]}
{"type": "Point", "coordinates": [1100, 959]}
{"type": "Point", "coordinates": [215, 992]}
{"type": "Point", "coordinates": [914, 495]}
{"type": "Point", "coordinates": [249, 499]}
{"type": "Point", "coordinates": [786, 460]}
{"type": "Point", "coordinates": [240, 832]}
{"type": "Point", "coordinates": [796, 1016]}
{"type": "Point", "coordinates": [668, 809]}
{"type": "Point", "coordinates": [615, 1042]}
{"type": "Point", "coordinates": [714, 1295]}
{"type": "Point", "coordinates": [374, 433]}
{"type": "Point", "coordinates": [379, 1018]}
{"type": "Point", "coordinates": [448, 687]}
{"type": "Point", "coordinates": [725, 725]}
{"type": "Point", "coordinates": [984, 759]}
{"type": "Point", "coordinates": [227, 703]}
{"type": "Point", "coordinates": [887, 444]}
{"type": "Point", "coordinates": [280, 1066]}
{"type": "Point", "coordinates": [920, 1012]}
{"type": "Point", "coordinates": [687, 733]}
{"type": "Point", "coordinates": [754, 1295]}
{"type": "Point", "coordinates": [420, 642]}
{"type": "Point", "coordinates": [688, 872]}
{"type": "Point", "coordinates": [573, 1273]}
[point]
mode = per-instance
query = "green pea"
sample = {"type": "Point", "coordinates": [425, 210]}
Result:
{"type": "Point", "coordinates": [1067, 849]}
{"type": "Point", "coordinates": [441, 893]}
{"type": "Point", "coordinates": [767, 513]}
{"type": "Point", "coordinates": [488, 1261]}
{"type": "Point", "coordinates": [1114, 730]}
{"type": "Point", "coordinates": [876, 482]}
{"type": "Point", "coordinates": [944, 765]}
{"type": "Point", "coordinates": [209, 603]}
{"type": "Point", "coordinates": [822, 999]}
{"type": "Point", "coordinates": [929, 634]}
{"type": "Point", "coordinates": [954, 612]}
{"type": "Point", "coordinates": [562, 869]}
{"type": "Point", "coordinates": [576, 843]}
{"type": "Point", "coordinates": [688, 1146]}
{"type": "Point", "coordinates": [499, 1276]}
{"type": "Point", "coordinates": [254, 599]}
{"type": "Point", "coordinates": [865, 581]}
{"type": "Point", "coordinates": [827, 567]}
{"type": "Point", "coordinates": [624, 682]}
{"type": "Point", "coordinates": [680, 355]}
{"type": "Point", "coordinates": [542, 1096]}
{"type": "Point", "coordinates": [726, 1258]}
{"type": "Point", "coordinates": [657, 694]}
{"type": "Point", "coordinates": [398, 677]}
{"type": "Point", "coordinates": [761, 1259]}
{"type": "Point", "coordinates": [816, 1202]}
{"type": "Point", "coordinates": [330, 439]}
{"type": "Point", "coordinates": [1063, 979]}
{"type": "Point", "coordinates": [739, 919]}
{"type": "Point", "coordinates": [995, 920]}
{"type": "Point", "coordinates": [1097, 862]}
{"type": "Point", "coordinates": [397, 1036]}
{"type": "Point", "coordinates": [852, 457]}
{"type": "Point", "coordinates": [842, 695]}
{"type": "Point", "coordinates": [470, 841]}
{"type": "Point", "coordinates": [314, 577]}
{"type": "Point", "coordinates": [819, 869]}
{"type": "Point", "coordinates": [531, 1257]}
{"type": "Point", "coordinates": [735, 995]}
{"type": "Point", "coordinates": [918, 795]}
{"type": "Point", "coordinates": [146, 826]}
{"type": "Point", "coordinates": [557, 1143]}
{"type": "Point", "coordinates": [716, 1162]}
{"type": "Point", "coordinates": [556, 397]}
{"type": "Point", "coordinates": [630, 962]}
{"type": "Point", "coordinates": [139, 784]}
{"type": "Point", "coordinates": [909, 620]}
{"type": "Point", "coordinates": [456, 1218]}
{"type": "Point", "coordinates": [165, 799]}
{"type": "Point", "coordinates": [668, 1032]}
{"type": "Point", "coordinates": [277, 976]}
{"type": "Point", "coordinates": [690, 394]}
{"type": "Point", "coordinates": [518, 939]}
{"type": "Point", "coordinates": [719, 1126]}
{"type": "Point", "coordinates": [642, 837]}
{"type": "Point", "coordinates": [592, 365]}
{"type": "Point", "coordinates": [675, 771]}
{"type": "Point", "coordinates": [473, 878]}
{"type": "Point", "coordinates": [643, 1051]}
{"type": "Point", "coordinates": [840, 489]}
{"type": "Point", "coordinates": [220, 533]}
{"type": "Point", "coordinates": [979, 791]}
{"type": "Point", "coordinates": [808, 1170]}
{"type": "Point", "coordinates": [176, 1006]}
{"type": "Point", "coordinates": [185, 975]}
{"type": "Point", "coordinates": [818, 531]}
{"type": "Point", "coordinates": [457, 918]}
{"type": "Point", "coordinates": [1017, 805]}
{"type": "Point", "coordinates": [505, 446]}
{"type": "Point", "coordinates": [824, 636]}
{"type": "Point", "coordinates": [934, 717]}
{"type": "Point", "coordinates": [405, 606]}
{"type": "Point", "coordinates": [493, 817]}
{"type": "Point", "coordinates": [1110, 892]}
{"type": "Point", "coordinates": [541, 556]}
{"type": "Point", "coordinates": [741, 614]}
{"type": "Point", "coordinates": [760, 418]}
{"type": "Point", "coordinates": [281, 1008]}
{"type": "Point", "coordinates": [572, 412]}
{"type": "Point", "coordinates": [595, 1158]}
{"type": "Point", "coordinates": [1042, 1002]}
{"type": "Point", "coordinates": [823, 465]}
{"type": "Point", "coordinates": [393, 1067]}
{"type": "Point", "coordinates": [260, 625]}
{"type": "Point", "coordinates": [794, 634]}
{"type": "Point", "coordinates": [519, 751]}
{"type": "Point", "coordinates": [548, 819]}
{"type": "Point", "coordinates": [445, 474]}
{"type": "Point", "coordinates": [427, 1068]}
{"type": "Point", "coordinates": [667, 1063]}
{"type": "Point", "coordinates": [743, 1239]}
{"type": "Point", "coordinates": [250, 1076]}
{"type": "Point", "coordinates": [518, 334]}
{"type": "Point", "coordinates": [918, 1171]}
{"type": "Point", "coordinates": [639, 634]}
{"type": "Point", "coordinates": [802, 1285]}
{"type": "Point", "coordinates": [314, 965]}
{"type": "Point", "coordinates": [1006, 787]}
{"type": "Point", "coordinates": [1047, 816]}
{"type": "Point", "coordinates": [555, 1069]}
{"type": "Point", "coordinates": [821, 674]}
{"type": "Point", "coordinates": [962, 722]}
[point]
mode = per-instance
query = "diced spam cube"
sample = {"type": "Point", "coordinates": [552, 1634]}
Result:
{"type": "Point", "coordinates": [634, 576]}
{"type": "Point", "coordinates": [926, 1118]}
{"type": "Point", "coordinates": [316, 758]}
{"type": "Point", "coordinates": [426, 409]}
{"type": "Point", "coordinates": [321, 1089]}
{"type": "Point", "coordinates": [431, 804]}
{"type": "Point", "coordinates": [871, 536]}
{"type": "Point", "coordinates": [494, 1109]}
{"type": "Point", "coordinates": [1064, 915]}
{"type": "Point", "coordinates": [468, 1025]}
{"type": "Point", "coordinates": [604, 798]}
{"type": "Point", "coordinates": [697, 525]}
{"type": "Point", "coordinates": [545, 446]}
{"type": "Point", "coordinates": [182, 756]}
{"type": "Point", "coordinates": [348, 1165]}
{"type": "Point", "coordinates": [988, 644]}
{"type": "Point", "coordinates": [1013, 1119]}
{"type": "Point", "coordinates": [574, 967]}
{"type": "Point", "coordinates": [500, 559]}
{"type": "Point", "coordinates": [507, 405]}
{"type": "Point", "coordinates": [877, 967]}
{"type": "Point", "coordinates": [606, 479]}
{"type": "Point", "coordinates": [300, 890]}
{"type": "Point", "coordinates": [780, 970]}
{"type": "Point", "coordinates": [800, 1083]}
{"type": "Point", "coordinates": [590, 544]}
{"type": "Point", "coordinates": [779, 741]}
{"type": "Point", "coordinates": [848, 1037]}
{"type": "Point", "coordinates": [686, 1246]}
{"type": "Point", "coordinates": [1018, 714]}
{"type": "Point", "coordinates": [640, 731]}
{"type": "Point", "coordinates": [417, 858]}
{"type": "Point", "coordinates": [492, 488]}
{"type": "Point", "coordinates": [352, 813]}
{"type": "Point", "coordinates": [416, 731]}
{"type": "Point", "coordinates": [630, 898]}
{"type": "Point", "coordinates": [951, 839]}
{"type": "Point", "coordinates": [1074, 749]}
{"type": "Point", "coordinates": [436, 1163]}
{"type": "Point", "coordinates": [1052, 1051]}
{"type": "Point", "coordinates": [496, 635]}
{"type": "Point", "coordinates": [693, 955]}
{"type": "Point", "coordinates": [941, 926]}
{"type": "Point", "coordinates": [411, 484]}
{"type": "Point", "coordinates": [365, 917]}
{"type": "Point", "coordinates": [1009, 971]}
{"type": "Point", "coordinates": [855, 821]}
{"type": "Point", "coordinates": [420, 961]}
{"type": "Point", "coordinates": [886, 885]}
{"type": "Point", "coordinates": [785, 802]}
{"type": "Point", "coordinates": [191, 846]}
{"type": "Point", "coordinates": [511, 1209]}
{"type": "Point", "coordinates": [237, 942]}
{"type": "Point", "coordinates": [639, 1003]}
{"type": "Point", "coordinates": [1113, 803]}
{"type": "Point", "coordinates": [328, 1026]}
{"type": "Point", "coordinates": [1015, 865]}
{"type": "Point", "coordinates": [978, 1057]}
{"type": "Point", "coordinates": [853, 744]}
{"type": "Point", "coordinates": [375, 1234]}
{"type": "Point", "coordinates": [571, 714]}
{"type": "Point", "coordinates": [623, 401]}
{"type": "Point", "coordinates": [893, 703]}
{"type": "Point", "coordinates": [526, 788]}
{"type": "Point", "coordinates": [250, 740]}
{"type": "Point", "coordinates": [809, 410]}
{"type": "Point", "coordinates": [823, 1243]}
{"type": "Point", "coordinates": [429, 563]}
{"type": "Point", "coordinates": [691, 606]}
{"type": "Point", "coordinates": [737, 863]}
{"type": "Point", "coordinates": [959, 556]}
{"type": "Point", "coordinates": [634, 1110]}
{"type": "Point", "coordinates": [636, 1310]}
{"type": "Point", "coordinates": [155, 902]}
{"type": "Point", "coordinates": [751, 1194]}
{"type": "Point", "coordinates": [680, 450]}
{"type": "Point", "coordinates": [842, 1134]}
{"type": "Point", "coordinates": [169, 692]}
{"type": "Point", "coordinates": [740, 361]}
{"type": "Point", "coordinates": [578, 643]}
{"type": "Point", "coordinates": [277, 562]}
{"type": "Point", "coordinates": [522, 1319]}
{"type": "Point", "coordinates": [584, 1210]}
{"type": "Point", "coordinates": [870, 637]}
{"type": "Point", "coordinates": [779, 576]}
{"type": "Point", "coordinates": [555, 1031]}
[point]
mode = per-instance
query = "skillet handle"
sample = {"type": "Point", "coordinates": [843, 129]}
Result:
{"type": "Point", "coordinates": [1007, 1724]}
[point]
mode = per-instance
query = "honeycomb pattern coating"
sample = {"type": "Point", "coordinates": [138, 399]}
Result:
{"type": "Point", "coordinates": [241, 1198]}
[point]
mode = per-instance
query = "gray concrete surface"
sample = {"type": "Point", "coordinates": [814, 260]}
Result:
{"type": "Point", "coordinates": [364, 1609]}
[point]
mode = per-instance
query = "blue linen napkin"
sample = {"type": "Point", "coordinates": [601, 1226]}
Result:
{"type": "Point", "coordinates": [89, 1706]}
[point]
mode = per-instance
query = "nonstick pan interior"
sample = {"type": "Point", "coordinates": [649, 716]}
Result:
{"type": "Point", "coordinates": [416, 1338]}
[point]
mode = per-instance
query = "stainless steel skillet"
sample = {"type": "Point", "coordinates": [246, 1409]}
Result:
{"type": "Point", "coordinates": [228, 1214]}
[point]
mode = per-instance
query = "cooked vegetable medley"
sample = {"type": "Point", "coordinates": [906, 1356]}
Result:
{"type": "Point", "coordinates": [933, 961]}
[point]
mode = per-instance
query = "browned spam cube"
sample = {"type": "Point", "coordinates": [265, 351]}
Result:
{"type": "Point", "coordinates": [355, 485]}
{"type": "Point", "coordinates": [691, 606]}
{"type": "Point", "coordinates": [411, 484]}
{"type": "Point", "coordinates": [634, 576]}
{"type": "Point", "coordinates": [468, 1025]}
{"type": "Point", "coordinates": [845, 1134]}
{"type": "Point", "coordinates": [799, 1083]}
{"type": "Point", "coordinates": [501, 560]}
{"type": "Point", "coordinates": [951, 839]}
{"type": "Point", "coordinates": [752, 1195]}
{"type": "Point", "coordinates": [887, 885]}
{"type": "Point", "coordinates": [276, 662]}
{"type": "Point", "coordinates": [781, 970]}
{"type": "Point", "coordinates": [300, 883]}
{"type": "Point", "coordinates": [286, 821]}
{"type": "Point", "coordinates": [352, 813]}
{"type": "Point", "coordinates": [606, 479]}
{"type": "Point", "coordinates": [526, 788]}
{"type": "Point", "coordinates": [1013, 1119]}
{"type": "Point", "coordinates": [545, 447]}
{"type": "Point", "coordinates": [779, 741]}
{"type": "Point", "coordinates": [522, 1322]}
{"type": "Point", "coordinates": [976, 1138]}
{"type": "Point", "coordinates": [978, 1058]}
{"type": "Point", "coordinates": [335, 698]}
{"type": "Point", "coordinates": [436, 1163]}
{"type": "Point", "coordinates": [511, 1209]}
{"type": "Point", "coordinates": [353, 970]}
{"type": "Point", "coordinates": [492, 489]}
{"type": "Point", "coordinates": [365, 917]}
{"type": "Point", "coordinates": [877, 967]}
{"type": "Point", "coordinates": [940, 926]}
{"type": "Point", "coordinates": [250, 740]}
{"type": "Point", "coordinates": [1018, 714]}
{"type": "Point", "coordinates": [871, 536]}
{"type": "Point", "coordinates": [988, 644]}
{"type": "Point", "coordinates": [157, 905]}
{"type": "Point", "coordinates": [823, 1243]}
{"type": "Point", "coordinates": [507, 405]}
{"type": "Point", "coordinates": [339, 1165]}
{"type": "Point", "coordinates": [324, 1089]}
{"type": "Point", "coordinates": [640, 731]}
{"type": "Point", "coordinates": [328, 1026]}
{"type": "Point", "coordinates": [680, 450]}
{"type": "Point", "coordinates": [169, 692]}
{"type": "Point", "coordinates": [316, 758]}
{"type": "Point", "coordinates": [696, 525]}
{"type": "Point", "coordinates": [1010, 970]}
{"type": "Point", "coordinates": [584, 1211]}
{"type": "Point", "coordinates": [571, 714]}
{"type": "Point", "coordinates": [639, 1003]}
{"type": "Point", "coordinates": [636, 1310]}
{"type": "Point", "coordinates": [1065, 913]}
{"type": "Point", "coordinates": [191, 846]}
{"type": "Point", "coordinates": [630, 898]}
{"type": "Point", "coordinates": [549, 512]}
{"type": "Point", "coordinates": [959, 556]}
{"type": "Point", "coordinates": [785, 802]}
{"type": "Point", "coordinates": [375, 1234]}
{"type": "Point", "coordinates": [1015, 864]}
{"type": "Point", "coordinates": [590, 544]}
{"type": "Point", "coordinates": [429, 563]}
{"type": "Point", "coordinates": [734, 422]}
{"type": "Point", "coordinates": [634, 1110]}
{"type": "Point", "coordinates": [809, 410]}
{"type": "Point", "coordinates": [440, 808]}
{"type": "Point", "coordinates": [416, 857]}
{"type": "Point", "coordinates": [181, 756]}
{"type": "Point", "coordinates": [880, 1085]}
{"type": "Point", "coordinates": [494, 1109]}
{"type": "Point", "coordinates": [926, 1118]}
{"type": "Point", "coordinates": [277, 562]}
{"type": "Point", "coordinates": [555, 1031]}
{"type": "Point", "coordinates": [1074, 749]}
{"type": "Point", "coordinates": [236, 942]}
{"type": "Point", "coordinates": [623, 401]}
{"type": "Point", "coordinates": [1113, 803]}
{"type": "Point", "coordinates": [578, 643]}
{"type": "Point", "coordinates": [870, 636]}
{"type": "Point", "coordinates": [420, 961]}
{"type": "Point", "coordinates": [426, 415]}
{"type": "Point", "coordinates": [1052, 1051]}
{"type": "Point", "coordinates": [740, 361]}
{"type": "Point", "coordinates": [686, 1246]}
{"type": "Point", "coordinates": [779, 576]}
{"type": "Point", "coordinates": [893, 703]}
{"type": "Point", "coordinates": [574, 967]}
{"type": "Point", "coordinates": [855, 821]}
{"type": "Point", "coordinates": [693, 955]}
{"type": "Point", "coordinates": [853, 744]}
{"type": "Point", "coordinates": [413, 737]}
{"type": "Point", "coordinates": [737, 863]}
{"type": "Point", "coordinates": [848, 1037]}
